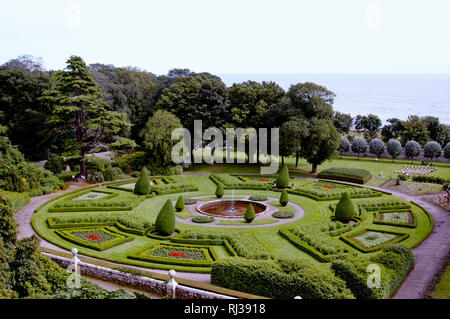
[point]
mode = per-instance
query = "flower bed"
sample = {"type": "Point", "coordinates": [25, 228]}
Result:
{"type": "Point", "coordinates": [322, 191]}
{"type": "Point", "coordinates": [91, 196]}
{"type": "Point", "coordinates": [94, 238]}
{"type": "Point", "coordinates": [233, 182]}
{"type": "Point", "coordinates": [396, 218]}
{"type": "Point", "coordinates": [178, 254]}
{"type": "Point", "coordinates": [370, 240]}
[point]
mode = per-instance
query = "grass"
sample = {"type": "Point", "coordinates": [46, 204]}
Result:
{"type": "Point", "coordinates": [267, 236]}
{"type": "Point", "coordinates": [442, 290]}
{"type": "Point", "coordinates": [262, 221]}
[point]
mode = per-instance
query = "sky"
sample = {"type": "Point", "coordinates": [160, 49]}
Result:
{"type": "Point", "coordinates": [233, 36]}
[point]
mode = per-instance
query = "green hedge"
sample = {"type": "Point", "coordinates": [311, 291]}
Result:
{"type": "Point", "coordinates": [377, 219]}
{"type": "Point", "coordinates": [64, 195]}
{"type": "Point", "coordinates": [383, 204]}
{"type": "Point", "coordinates": [328, 195]}
{"type": "Point", "coordinates": [395, 262]}
{"type": "Point", "coordinates": [285, 278]}
{"type": "Point", "coordinates": [213, 242]}
{"type": "Point", "coordinates": [347, 238]}
{"type": "Point", "coordinates": [118, 240]}
{"type": "Point", "coordinates": [355, 175]}
{"type": "Point", "coordinates": [129, 221]}
{"type": "Point", "coordinates": [429, 179]}
{"type": "Point", "coordinates": [232, 182]}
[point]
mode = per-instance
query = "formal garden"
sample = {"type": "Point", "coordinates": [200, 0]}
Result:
{"type": "Point", "coordinates": [160, 223]}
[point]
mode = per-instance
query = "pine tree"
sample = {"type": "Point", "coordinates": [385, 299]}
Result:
{"type": "Point", "coordinates": [345, 210]}
{"type": "Point", "coordinates": [283, 178]}
{"type": "Point", "coordinates": [179, 206]}
{"type": "Point", "coordinates": [249, 213]}
{"type": "Point", "coordinates": [165, 221]}
{"type": "Point", "coordinates": [284, 198]}
{"type": "Point", "coordinates": [79, 115]}
{"type": "Point", "coordinates": [219, 190]}
{"type": "Point", "coordinates": [142, 186]}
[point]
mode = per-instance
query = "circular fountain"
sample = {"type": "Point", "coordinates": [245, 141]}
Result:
{"type": "Point", "coordinates": [230, 208]}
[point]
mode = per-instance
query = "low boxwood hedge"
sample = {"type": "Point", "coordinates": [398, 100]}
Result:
{"type": "Point", "coordinates": [232, 182]}
{"type": "Point", "coordinates": [283, 214]}
{"type": "Point", "coordinates": [347, 238]}
{"type": "Point", "coordinates": [202, 219]}
{"type": "Point", "coordinates": [377, 219]}
{"type": "Point", "coordinates": [355, 175]}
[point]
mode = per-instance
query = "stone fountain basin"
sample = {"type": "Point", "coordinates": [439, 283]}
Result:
{"type": "Point", "coordinates": [230, 208]}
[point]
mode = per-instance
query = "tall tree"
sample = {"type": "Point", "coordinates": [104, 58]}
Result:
{"type": "Point", "coordinates": [311, 100]}
{"type": "Point", "coordinates": [392, 130]}
{"type": "Point", "coordinates": [291, 136]}
{"type": "Point", "coordinates": [79, 113]}
{"type": "Point", "coordinates": [415, 129]}
{"type": "Point", "coordinates": [343, 122]}
{"type": "Point", "coordinates": [369, 125]}
{"type": "Point", "coordinates": [320, 143]}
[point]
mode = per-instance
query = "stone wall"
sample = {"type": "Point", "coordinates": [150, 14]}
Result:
{"type": "Point", "coordinates": [143, 283]}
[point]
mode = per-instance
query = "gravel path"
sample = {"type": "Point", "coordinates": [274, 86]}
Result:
{"type": "Point", "coordinates": [429, 255]}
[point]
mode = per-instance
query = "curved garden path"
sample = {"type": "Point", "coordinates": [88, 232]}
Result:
{"type": "Point", "coordinates": [429, 255]}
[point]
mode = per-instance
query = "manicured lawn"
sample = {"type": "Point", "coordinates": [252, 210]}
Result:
{"type": "Point", "coordinates": [267, 237]}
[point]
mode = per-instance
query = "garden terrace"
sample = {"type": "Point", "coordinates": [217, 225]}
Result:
{"type": "Point", "coordinates": [314, 237]}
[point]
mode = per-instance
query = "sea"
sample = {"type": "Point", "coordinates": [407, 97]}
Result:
{"type": "Point", "coordinates": [386, 95]}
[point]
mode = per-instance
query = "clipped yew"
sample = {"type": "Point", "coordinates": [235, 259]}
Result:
{"type": "Point", "coordinates": [165, 221]}
{"type": "Point", "coordinates": [249, 213]}
{"type": "Point", "coordinates": [283, 178]}
{"type": "Point", "coordinates": [284, 198]}
{"type": "Point", "coordinates": [179, 206]}
{"type": "Point", "coordinates": [142, 186]}
{"type": "Point", "coordinates": [345, 210]}
{"type": "Point", "coordinates": [219, 190]}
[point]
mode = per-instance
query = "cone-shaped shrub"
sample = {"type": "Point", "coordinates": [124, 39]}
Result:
{"type": "Point", "coordinates": [219, 190]}
{"type": "Point", "coordinates": [345, 210]}
{"type": "Point", "coordinates": [165, 221]}
{"type": "Point", "coordinates": [284, 198]}
{"type": "Point", "coordinates": [179, 206]}
{"type": "Point", "coordinates": [249, 213]}
{"type": "Point", "coordinates": [283, 178]}
{"type": "Point", "coordinates": [142, 186]}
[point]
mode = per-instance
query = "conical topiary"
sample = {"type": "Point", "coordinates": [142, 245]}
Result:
{"type": "Point", "coordinates": [249, 213]}
{"type": "Point", "coordinates": [179, 206]}
{"type": "Point", "coordinates": [284, 198]}
{"type": "Point", "coordinates": [219, 190]}
{"type": "Point", "coordinates": [283, 177]}
{"type": "Point", "coordinates": [345, 210]}
{"type": "Point", "coordinates": [165, 221]}
{"type": "Point", "coordinates": [142, 186]}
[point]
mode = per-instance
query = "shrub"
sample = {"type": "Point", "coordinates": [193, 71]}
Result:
{"type": "Point", "coordinates": [283, 214]}
{"type": "Point", "coordinates": [219, 191]}
{"type": "Point", "coordinates": [432, 150]}
{"type": "Point", "coordinates": [395, 262]}
{"type": "Point", "coordinates": [131, 162]}
{"type": "Point", "coordinates": [112, 173]}
{"type": "Point", "coordinates": [285, 278]}
{"type": "Point", "coordinates": [249, 213]}
{"type": "Point", "coordinates": [344, 146]}
{"type": "Point", "coordinates": [283, 177]}
{"type": "Point", "coordinates": [376, 147]}
{"type": "Point", "coordinates": [402, 177]}
{"type": "Point", "coordinates": [142, 186]}
{"type": "Point", "coordinates": [202, 219]}
{"type": "Point", "coordinates": [258, 198]}
{"type": "Point", "coordinates": [359, 145]}
{"type": "Point", "coordinates": [189, 201]}
{"type": "Point", "coordinates": [412, 149]}
{"type": "Point", "coordinates": [429, 179]}
{"type": "Point", "coordinates": [345, 211]}
{"type": "Point", "coordinates": [284, 199]}
{"type": "Point", "coordinates": [165, 221]}
{"type": "Point", "coordinates": [354, 175]}
{"type": "Point", "coordinates": [17, 200]}
{"type": "Point", "coordinates": [447, 151]}
{"type": "Point", "coordinates": [179, 206]}
{"type": "Point", "coordinates": [55, 164]}
{"type": "Point", "coordinates": [164, 170]}
{"type": "Point", "coordinates": [394, 148]}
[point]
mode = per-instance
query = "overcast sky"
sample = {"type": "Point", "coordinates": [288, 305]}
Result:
{"type": "Point", "coordinates": [233, 36]}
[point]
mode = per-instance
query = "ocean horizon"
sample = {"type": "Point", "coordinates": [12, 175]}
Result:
{"type": "Point", "coordinates": [385, 95]}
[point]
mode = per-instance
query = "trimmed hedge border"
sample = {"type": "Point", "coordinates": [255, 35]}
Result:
{"type": "Point", "coordinates": [377, 219]}
{"type": "Point", "coordinates": [150, 235]}
{"type": "Point", "coordinates": [119, 240]}
{"type": "Point", "coordinates": [240, 184]}
{"type": "Point", "coordinates": [136, 202]}
{"type": "Point", "coordinates": [300, 244]}
{"type": "Point", "coordinates": [356, 244]}
{"type": "Point", "coordinates": [336, 173]}
{"type": "Point", "coordinates": [307, 194]}
{"type": "Point", "coordinates": [63, 195]}
{"type": "Point", "coordinates": [430, 218]}
{"type": "Point", "coordinates": [217, 242]}
{"type": "Point", "coordinates": [208, 251]}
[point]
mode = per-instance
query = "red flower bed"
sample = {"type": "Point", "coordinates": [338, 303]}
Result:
{"type": "Point", "coordinates": [176, 254]}
{"type": "Point", "coordinates": [328, 187]}
{"type": "Point", "coordinates": [93, 237]}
